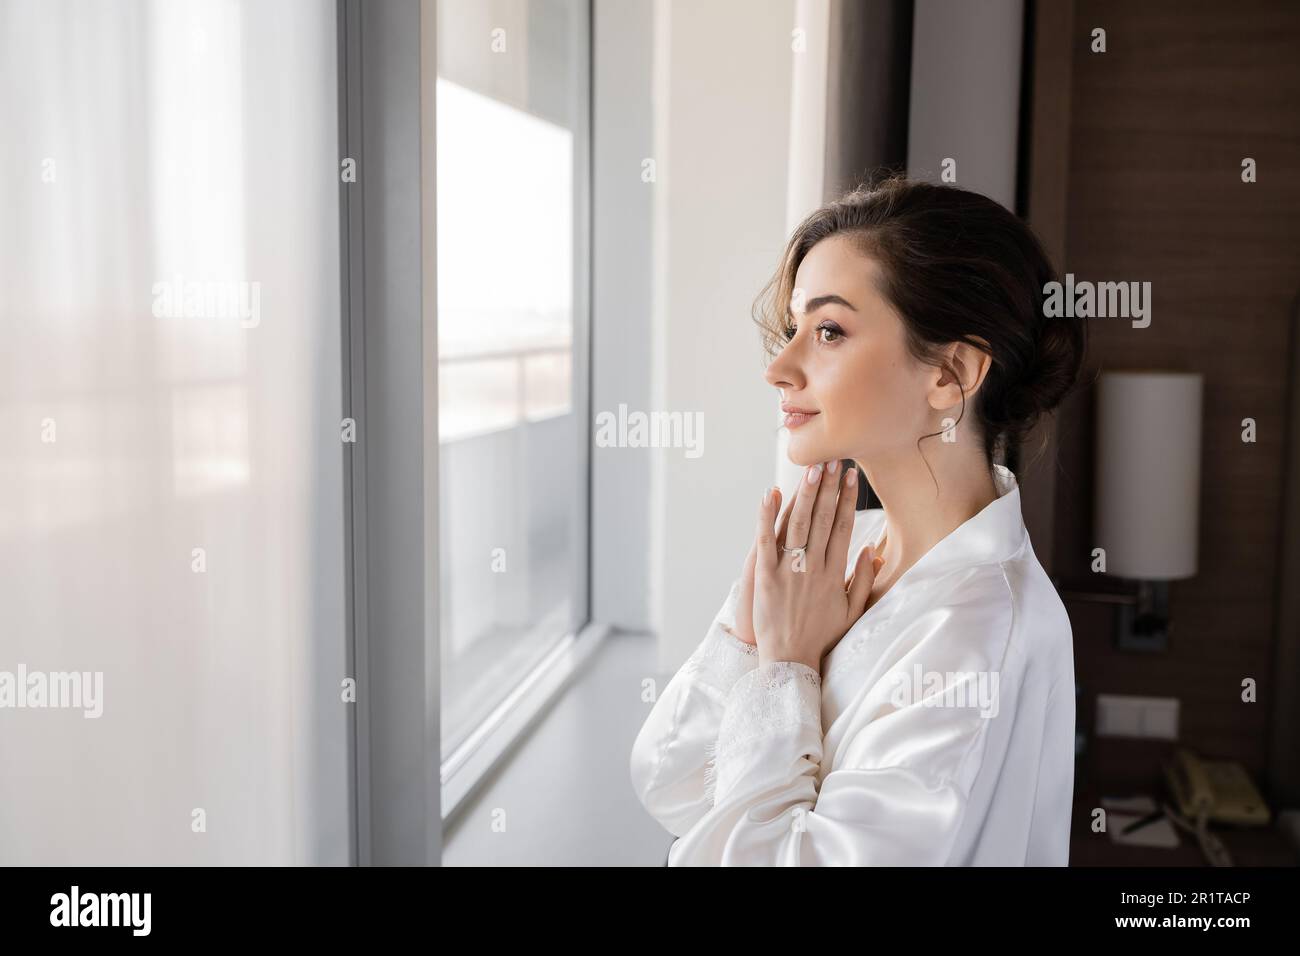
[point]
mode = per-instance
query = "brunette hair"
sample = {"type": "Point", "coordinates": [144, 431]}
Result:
{"type": "Point", "coordinates": [957, 267]}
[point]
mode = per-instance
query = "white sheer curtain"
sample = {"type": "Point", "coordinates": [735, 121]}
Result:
{"type": "Point", "coordinates": [170, 460]}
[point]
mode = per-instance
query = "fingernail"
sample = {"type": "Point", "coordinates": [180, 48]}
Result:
{"type": "Point", "coordinates": [851, 478]}
{"type": "Point", "coordinates": [833, 466]}
{"type": "Point", "coordinates": [767, 497]}
{"type": "Point", "coordinates": [814, 474]}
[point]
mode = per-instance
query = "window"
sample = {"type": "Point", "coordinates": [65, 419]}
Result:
{"type": "Point", "coordinates": [512, 157]}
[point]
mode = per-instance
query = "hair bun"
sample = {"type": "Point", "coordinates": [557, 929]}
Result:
{"type": "Point", "coordinates": [1060, 342]}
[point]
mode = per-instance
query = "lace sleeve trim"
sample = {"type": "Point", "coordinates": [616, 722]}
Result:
{"type": "Point", "coordinates": [775, 700]}
{"type": "Point", "coordinates": [723, 658]}
{"type": "Point", "coordinates": [726, 658]}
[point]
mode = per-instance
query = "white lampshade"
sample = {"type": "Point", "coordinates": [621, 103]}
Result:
{"type": "Point", "coordinates": [1148, 486]}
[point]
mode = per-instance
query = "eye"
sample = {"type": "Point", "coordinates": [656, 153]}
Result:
{"type": "Point", "coordinates": [836, 333]}
{"type": "Point", "coordinates": [832, 330]}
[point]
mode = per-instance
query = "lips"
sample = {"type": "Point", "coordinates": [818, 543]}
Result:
{"type": "Point", "coordinates": [793, 419]}
{"type": "Point", "coordinates": [796, 416]}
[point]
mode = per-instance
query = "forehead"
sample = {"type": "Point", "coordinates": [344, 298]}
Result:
{"type": "Point", "coordinates": [835, 265]}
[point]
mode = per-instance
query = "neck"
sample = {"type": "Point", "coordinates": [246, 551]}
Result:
{"type": "Point", "coordinates": [918, 517]}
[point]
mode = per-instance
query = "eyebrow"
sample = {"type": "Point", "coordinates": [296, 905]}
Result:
{"type": "Point", "coordinates": [813, 305]}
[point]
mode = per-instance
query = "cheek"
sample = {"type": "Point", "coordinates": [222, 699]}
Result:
{"type": "Point", "coordinates": [875, 398]}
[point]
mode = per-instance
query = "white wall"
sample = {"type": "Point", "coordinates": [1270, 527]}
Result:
{"type": "Point", "coordinates": [622, 289]}
{"type": "Point", "coordinates": [722, 96]}
{"type": "Point", "coordinates": [806, 179]}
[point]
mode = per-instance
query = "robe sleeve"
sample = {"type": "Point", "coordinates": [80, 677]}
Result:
{"type": "Point", "coordinates": [901, 786]}
{"type": "Point", "coordinates": [671, 761]}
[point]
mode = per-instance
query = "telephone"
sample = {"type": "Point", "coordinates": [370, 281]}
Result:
{"type": "Point", "coordinates": [1219, 790]}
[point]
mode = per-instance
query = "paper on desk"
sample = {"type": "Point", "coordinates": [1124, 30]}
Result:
{"type": "Point", "coordinates": [1121, 811]}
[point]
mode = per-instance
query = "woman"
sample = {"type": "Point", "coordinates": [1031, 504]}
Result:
{"type": "Point", "coordinates": [893, 686]}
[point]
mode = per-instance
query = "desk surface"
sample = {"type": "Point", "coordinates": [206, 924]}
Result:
{"type": "Point", "coordinates": [1249, 846]}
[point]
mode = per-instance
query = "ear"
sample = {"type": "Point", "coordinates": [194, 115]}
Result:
{"type": "Point", "coordinates": [968, 364]}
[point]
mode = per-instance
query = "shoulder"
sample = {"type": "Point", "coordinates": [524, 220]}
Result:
{"type": "Point", "coordinates": [1044, 633]}
{"type": "Point", "coordinates": [1012, 602]}
{"type": "Point", "coordinates": [965, 619]}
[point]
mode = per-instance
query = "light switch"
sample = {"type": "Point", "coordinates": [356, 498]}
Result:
{"type": "Point", "coordinates": [1160, 718]}
{"type": "Point", "coordinates": [1119, 715]}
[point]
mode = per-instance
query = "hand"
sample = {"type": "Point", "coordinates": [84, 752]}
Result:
{"type": "Point", "coordinates": [802, 603]}
{"type": "Point", "coordinates": [745, 602]}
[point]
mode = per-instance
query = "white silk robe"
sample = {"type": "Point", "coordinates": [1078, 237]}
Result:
{"type": "Point", "coordinates": [939, 730]}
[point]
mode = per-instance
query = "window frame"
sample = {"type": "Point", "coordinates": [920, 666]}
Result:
{"type": "Point", "coordinates": [403, 791]}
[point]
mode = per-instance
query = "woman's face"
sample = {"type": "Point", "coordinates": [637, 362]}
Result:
{"type": "Point", "coordinates": [847, 364]}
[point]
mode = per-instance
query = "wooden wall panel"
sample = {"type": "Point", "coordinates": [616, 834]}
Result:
{"type": "Point", "coordinates": [1159, 125]}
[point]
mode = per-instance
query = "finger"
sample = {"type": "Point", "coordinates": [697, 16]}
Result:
{"type": "Point", "coordinates": [784, 524]}
{"type": "Point", "coordinates": [747, 573]}
{"type": "Point", "coordinates": [837, 548]}
{"type": "Point", "coordinates": [864, 575]}
{"type": "Point", "coordinates": [745, 599]}
{"type": "Point", "coordinates": [824, 511]}
{"type": "Point", "coordinates": [797, 529]}
{"type": "Point", "coordinates": [765, 553]}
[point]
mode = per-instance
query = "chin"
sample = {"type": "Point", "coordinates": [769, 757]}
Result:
{"type": "Point", "coordinates": [804, 454]}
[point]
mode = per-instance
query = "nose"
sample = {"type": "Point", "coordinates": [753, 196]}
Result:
{"type": "Point", "coordinates": [784, 371]}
